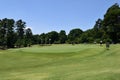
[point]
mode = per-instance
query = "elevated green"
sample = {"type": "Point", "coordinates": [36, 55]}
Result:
{"type": "Point", "coordinates": [61, 62]}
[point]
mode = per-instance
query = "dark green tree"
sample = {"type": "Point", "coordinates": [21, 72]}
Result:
{"type": "Point", "coordinates": [20, 33]}
{"type": "Point", "coordinates": [42, 38]}
{"type": "Point", "coordinates": [98, 31]}
{"type": "Point", "coordinates": [3, 33]}
{"type": "Point", "coordinates": [54, 36]}
{"type": "Point", "coordinates": [28, 37]}
{"type": "Point", "coordinates": [87, 36]}
{"type": "Point", "coordinates": [74, 35]}
{"type": "Point", "coordinates": [62, 36]}
{"type": "Point", "coordinates": [112, 23]}
{"type": "Point", "coordinates": [10, 33]}
{"type": "Point", "coordinates": [36, 39]}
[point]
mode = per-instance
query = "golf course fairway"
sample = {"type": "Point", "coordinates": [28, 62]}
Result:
{"type": "Point", "coordinates": [61, 62]}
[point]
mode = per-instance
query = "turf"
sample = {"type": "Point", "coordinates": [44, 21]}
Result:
{"type": "Point", "coordinates": [61, 62]}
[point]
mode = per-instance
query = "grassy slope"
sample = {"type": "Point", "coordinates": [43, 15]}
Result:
{"type": "Point", "coordinates": [61, 62]}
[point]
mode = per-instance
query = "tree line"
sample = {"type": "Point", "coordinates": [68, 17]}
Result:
{"type": "Point", "coordinates": [15, 34]}
{"type": "Point", "coordinates": [106, 29]}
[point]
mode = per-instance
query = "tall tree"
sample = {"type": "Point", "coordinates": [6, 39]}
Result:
{"type": "Point", "coordinates": [42, 38]}
{"type": "Point", "coordinates": [74, 35]}
{"type": "Point", "coordinates": [98, 30]}
{"type": "Point", "coordinates": [36, 39]}
{"type": "Point", "coordinates": [28, 37]}
{"type": "Point", "coordinates": [53, 35]}
{"type": "Point", "coordinates": [62, 36]}
{"type": "Point", "coordinates": [87, 36]}
{"type": "Point", "coordinates": [10, 33]}
{"type": "Point", "coordinates": [112, 23]}
{"type": "Point", "coordinates": [3, 33]}
{"type": "Point", "coordinates": [20, 32]}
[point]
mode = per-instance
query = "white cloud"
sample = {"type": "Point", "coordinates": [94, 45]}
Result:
{"type": "Point", "coordinates": [28, 27]}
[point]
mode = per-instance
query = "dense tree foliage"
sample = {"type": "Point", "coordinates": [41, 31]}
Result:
{"type": "Point", "coordinates": [12, 34]}
{"type": "Point", "coordinates": [74, 35]}
{"type": "Point", "coordinates": [111, 23]}
{"type": "Point", "coordinates": [7, 35]}
{"type": "Point", "coordinates": [20, 33]}
{"type": "Point", "coordinates": [62, 36]}
{"type": "Point", "coordinates": [28, 37]}
{"type": "Point", "coordinates": [15, 34]}
{"type": "Point", "coordinates": [36, 39]}
{"type": "Point", "coordinates": [106, 29]}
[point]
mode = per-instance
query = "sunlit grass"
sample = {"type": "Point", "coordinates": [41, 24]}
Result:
{"type": "Point", "coordinates": [61, 62]}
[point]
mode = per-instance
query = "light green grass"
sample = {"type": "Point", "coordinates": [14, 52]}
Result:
{"type": "Point", "coordinates": [61, 62]}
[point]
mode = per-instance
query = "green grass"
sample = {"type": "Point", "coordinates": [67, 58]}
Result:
{"type": "Point", "coordinates": [61, 62]}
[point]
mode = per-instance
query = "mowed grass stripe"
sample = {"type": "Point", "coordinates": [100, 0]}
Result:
{"type": "Point", "coordinates": [61, 62]}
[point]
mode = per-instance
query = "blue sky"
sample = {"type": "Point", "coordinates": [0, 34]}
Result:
{"type": "Point", "coordinates": [43, 16]}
